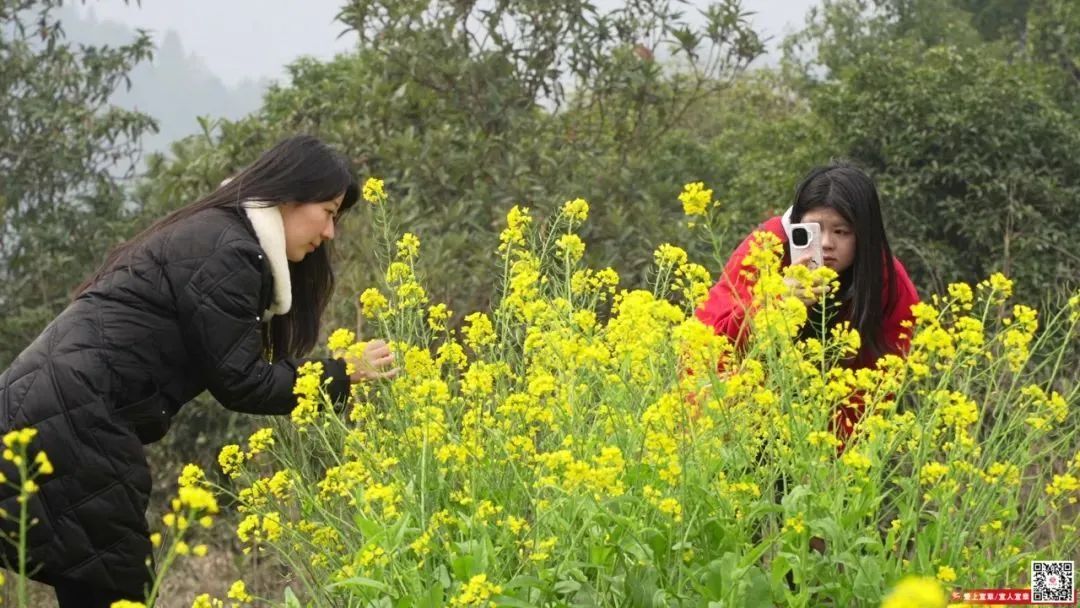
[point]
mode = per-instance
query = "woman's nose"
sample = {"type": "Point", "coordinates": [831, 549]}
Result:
{"type": "Point", "coordinates": [328, 231]}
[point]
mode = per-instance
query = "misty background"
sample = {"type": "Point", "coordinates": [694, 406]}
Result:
{"type": "Point", "coordinates": [217, 57]}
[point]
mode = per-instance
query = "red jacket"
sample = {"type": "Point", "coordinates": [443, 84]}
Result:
{"type": "Point", "coordinates": [725, 310]}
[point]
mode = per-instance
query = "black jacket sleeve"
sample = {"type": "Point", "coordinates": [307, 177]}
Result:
{"type": "Point", "coordinates": [221, 317]}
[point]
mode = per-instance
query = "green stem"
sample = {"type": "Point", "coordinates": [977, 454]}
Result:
{"type": "Point", "coordinates": [24, 499]}
{"type": "Point", "coordinates": [423, 477]}
{"type": "Point", "coordinates": [170, 557]}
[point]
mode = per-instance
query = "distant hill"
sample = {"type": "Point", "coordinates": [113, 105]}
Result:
{"type": "Point", "coordinates": [174, 88]}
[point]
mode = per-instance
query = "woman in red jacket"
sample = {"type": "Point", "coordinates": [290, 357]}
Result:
{"type": "Point", "coordinates": [875, 293]}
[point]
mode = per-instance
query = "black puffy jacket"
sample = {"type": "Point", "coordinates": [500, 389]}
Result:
{"type": "Point", "coordinates": [109, 373]}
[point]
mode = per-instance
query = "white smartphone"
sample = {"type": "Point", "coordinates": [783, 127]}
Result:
{"type": "Point", "coordinates": [806, 238]}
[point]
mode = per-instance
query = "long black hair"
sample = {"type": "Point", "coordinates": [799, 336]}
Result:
{"type": "Point", "coordinates": [300, 169]}
{"type": "Point", "coordinates": [869, 285]}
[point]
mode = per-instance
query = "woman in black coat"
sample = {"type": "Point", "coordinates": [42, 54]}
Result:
{"type": "Point", "coordinates": [223, 295]}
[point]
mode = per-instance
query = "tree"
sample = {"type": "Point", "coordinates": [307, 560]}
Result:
{"type": "Point", "coordinates": [962, 111]}
{"type": "Point", "coordinates": [973, 156]}
{"type": "Point", "coordinates": [63, 151]}
{"type": "Point", "coordinates": [467, 108]}
{"type": "Point", "coordinates": [1053, 38]}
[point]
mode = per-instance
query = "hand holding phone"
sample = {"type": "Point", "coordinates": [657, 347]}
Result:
{"type": "Point", "coordinates": [806, 243]}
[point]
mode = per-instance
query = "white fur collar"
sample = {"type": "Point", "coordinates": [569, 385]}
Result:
{"type": "Point", "coordinates": [270, 231]}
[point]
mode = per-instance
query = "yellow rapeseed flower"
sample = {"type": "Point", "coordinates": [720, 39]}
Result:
{"type": "Point", "coordinates": [823, 438]}
{"type": "Point", "coordinates": [45, 467]}
{"type": "Point", "coordinates": [192, 475]}
{"type": "Point", "coordinates": [916, 592]}
{"type": "Point", "coordinates": [280, 484]}
{"type": "Point", "coordinates": [1063, 485]}
{"type": "Point", "coordinates": [437, 315]}
{"type": "Point", "coordinates": [477, 592]}
{"type": "Point", "coordinates": [309, 379]}
{"type": "Point", "coordinates": [671, 507]}
{"type": "Point", "coordinates": [669, 256]}
{"type": "Point", "coordinates": [693, 282]}
{"type": "Point", "coordinates": [197, 499]}
{"type": "Point", "coordinates": [452, 354]}
{"type": "Point", "coordinates": [576, 210]}
{"type": "Point", "coordinates": [479, 332]}
{"type": "Point", "coordinates": [517, 220]}
{"type": "Point", "coordinates": [572, 246]}
{"type": "Point", "coordinates": [408, 247]}
{"type": "Point", "coordinates": [373, 191]}
{"type": "Point", "coordinates": [238, 592]}
{"type": "Point", "coordinates": [795, 524]}
{"type": "Point", "coordinates": [696, 199]}
{"type": "Point", "coordinates": [260, 440]}
{"type": "Point", "coordinates": [373, 303]}
{"type": "Point", "coordinates": [422, 545]}
{"type": "Point", "coordinates": [1001, 285]}
{"type": "Point", "coordinates": [205, 601]}
{"type": "Point", "coordinates": [932, 472]}
{"type": "Point", "coordinates": [962, 294]}
{"type": "Point", "coordinates": [946, 574]}
{"type": "Point", "coordinates": [340, 340]}
{"type": "Point", "coordinates": [305, 413]}
{"type": "Point", "coordinates": [21, 437]}
{"type": "Point", "coordinates": [231, 458]}
{"type": "Point", "coordinates": [859, 462]}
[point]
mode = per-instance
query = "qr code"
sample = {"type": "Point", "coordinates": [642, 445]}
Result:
{"type": "Point", "coordinates": [1053, 582]}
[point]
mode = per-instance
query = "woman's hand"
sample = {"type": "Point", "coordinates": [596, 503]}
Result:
{"type": "Point", "coordinates": [810, 296]}
{"type": "Point", "coordinates": [375, 363]}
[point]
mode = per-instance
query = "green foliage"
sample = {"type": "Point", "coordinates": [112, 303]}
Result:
{"type": "Point", "coordinates": [540, 457]}
{"type": "Point", "coordinates": [62, 154]}
{"type": "Point", "coordinates": [465, 111]}
{"type": "Point", "coordinates": [967, 131]}
{"type": "Point", "coordinates": [998, 18]}
{"type": "Point", "coordinates": [1053, 36]}
{"type": "Point", "coordinates": [840, 32]}
{"type": "Point", "coordinates": [765, 138]}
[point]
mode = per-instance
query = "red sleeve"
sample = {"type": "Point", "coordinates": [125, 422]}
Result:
{"type": "Point", "coordinates": [897, 338]}
{"type": "Point", "coordinates": [725, 308]}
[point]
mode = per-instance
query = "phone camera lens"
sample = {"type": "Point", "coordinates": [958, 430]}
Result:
{"type": "Point", "coordinates": [800, 237]}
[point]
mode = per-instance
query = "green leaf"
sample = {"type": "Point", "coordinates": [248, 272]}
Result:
{"type": "Point", "coordinates": [756, 590]}
{"type": "Point", "coordinates": [369, 528]}
{"type": "Point", "coordinates": [827, 527]}
{"type": "Point", "coordinates": [778, 570]}
{"type": "Point", "coordinates": [869, 581]}
{"type": "Point", "coordinates": [721, 574]}
{"type": "Point", "coordinates": [433, 598]}
{"type": "Point", "coordinates": [522, 581]}
{"type": "Point", "coordinates": [360, 582]}
{"type": "Point", "coordinates": [502, 600]}
{"type": "Point", "coordinates": [656, 541]}
{"type": "Point", "coordinates": [290, 599]}
{"type": "Point", "coordinates": [567, 587]}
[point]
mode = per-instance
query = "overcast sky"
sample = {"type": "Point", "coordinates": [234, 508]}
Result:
{"type": "Point", "coordinates": [252, 39]}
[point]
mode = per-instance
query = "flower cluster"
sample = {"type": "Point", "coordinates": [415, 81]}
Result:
{"type": "Point", "coordinates": [586, 441]}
